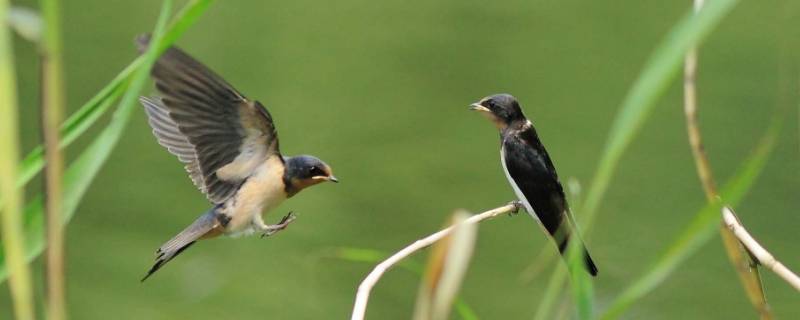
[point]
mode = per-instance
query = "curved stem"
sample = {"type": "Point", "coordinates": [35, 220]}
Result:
{"type": "Point", "coordinates": [737, 254]}
{"type": "Point", "coordinates": [365, 288]}
{"type": "Point", "coordinates": [764, 257]}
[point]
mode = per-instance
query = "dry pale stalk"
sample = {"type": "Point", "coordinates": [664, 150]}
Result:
{"type": "Point", "coordinates": [53, 98]}
{"type": "Point", "coordinates": [762, 255]}
{"type": "Point", "coordinates": [364, 289]}
{"type": "Point", "coordinates": [743, 264]}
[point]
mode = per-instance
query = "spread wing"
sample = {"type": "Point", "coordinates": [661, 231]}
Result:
{"type": "Point", "coordinates": [219, 134]}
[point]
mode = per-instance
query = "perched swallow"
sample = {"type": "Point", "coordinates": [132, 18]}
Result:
{"type": "Point", "coordinates": [229, 146]}
{"type": "Point", "coordinates": [530, 171]}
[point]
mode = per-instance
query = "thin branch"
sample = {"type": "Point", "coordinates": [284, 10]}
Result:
{"type": "Point", "coordinates": [364, 289]}
{"type": "Point", "coordinates": [762, 255]}
{"type": "Point", "coordinates": [744, 266]}
{"type": "Point", "coordinates": [52, 115]}
{"type": "Point", "coordinates": [693, 129]}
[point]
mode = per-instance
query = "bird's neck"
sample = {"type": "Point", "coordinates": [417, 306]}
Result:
{"type": "Point", "coordinates": [516, 126]}
{"type": "Point", "coordinates": [293, 185]}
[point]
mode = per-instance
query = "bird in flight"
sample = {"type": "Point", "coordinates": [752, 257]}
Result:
{"type": "Point", "coordinates": [229, 146]}
{"type": "Point", "coordinates": [530, 172]}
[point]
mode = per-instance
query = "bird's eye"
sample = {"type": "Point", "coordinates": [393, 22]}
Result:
{"type": "Point", "coordinates": [316, 171]}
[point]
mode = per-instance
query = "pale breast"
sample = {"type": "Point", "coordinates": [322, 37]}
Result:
{"type": "Point", "coordinates": [262, 191]}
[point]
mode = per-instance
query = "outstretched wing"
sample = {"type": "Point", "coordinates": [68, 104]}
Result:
{"type": "Point", "coordinates": [219, 134]}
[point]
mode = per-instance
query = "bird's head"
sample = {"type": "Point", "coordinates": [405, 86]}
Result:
{"type": "Point", "coordinates": [502, 109]}
{"type": "Point", "coordinates": [305, 171]}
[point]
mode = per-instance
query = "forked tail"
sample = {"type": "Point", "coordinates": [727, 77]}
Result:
{"type": "Point", "coordinates": [183, 240]}
{"type": "Point", "coordinates": [563, 244]}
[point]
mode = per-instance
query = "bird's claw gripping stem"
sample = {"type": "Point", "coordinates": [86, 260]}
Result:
{"type": "Point", "coordinates": [517, 205]}
{"type": "Point", "coordinates": [285, 221]}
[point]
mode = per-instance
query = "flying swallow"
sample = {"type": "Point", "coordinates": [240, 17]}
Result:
{"type": "Point", "coordinates": [530, 171]}
{"type": "Point", "coordinates": [229, 146]}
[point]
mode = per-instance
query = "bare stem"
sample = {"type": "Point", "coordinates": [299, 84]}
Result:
{"type": "Point", "coordinates": [52, 114]}
{"type": "Point", "coordinates": [364, 289]}
{"type": "Point", "coordinates": [10, 210]}
{"type": "Point", "coordinates": [745, 267]}
{"type": "Point", "coordinates": [762, 255]}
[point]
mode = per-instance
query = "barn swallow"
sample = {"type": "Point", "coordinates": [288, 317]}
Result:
{"type": "Point", "coordinates": [529, 170]}
{"type": "Point", "coordinates": [229, 146]}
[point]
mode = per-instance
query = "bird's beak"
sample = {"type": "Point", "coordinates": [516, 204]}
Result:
{"type": "Point", "coordinates": [478, 107]}
{"type": "Point", "coordinates": [330, 178]}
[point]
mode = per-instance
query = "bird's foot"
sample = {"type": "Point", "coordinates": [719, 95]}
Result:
{"type": "Point", "coordinates": [517, 205]}
{"type": "Point", "coordinates": [269, 230]}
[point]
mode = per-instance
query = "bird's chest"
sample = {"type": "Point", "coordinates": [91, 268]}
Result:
{"type": "Point", "coordinates": [517, 191]}
{"type": "Point", "coordinates": [263, 191]}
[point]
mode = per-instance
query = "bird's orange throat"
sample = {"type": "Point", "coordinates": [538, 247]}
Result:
{"type": "Point", "coordinates": [495, 120]}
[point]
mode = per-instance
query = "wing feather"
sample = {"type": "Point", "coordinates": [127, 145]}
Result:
{"type": "Point", "coordinates": [207, 124]}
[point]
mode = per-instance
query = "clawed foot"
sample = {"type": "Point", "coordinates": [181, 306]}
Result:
{"type": "Point", "coordinates": [273, 229]}
{"type": "Point", "coordinates": [517, 205]}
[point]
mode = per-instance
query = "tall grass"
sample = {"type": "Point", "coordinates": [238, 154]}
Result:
{"type": "Point", "coordinates": [52, 96]}
{"type": "Point", "coordinates": [700, 230]}
{"type": "Point", "coordinates": [80, 173]}
{"type": "Point", "coordinates": [659, 71]}
{"type": "Point", "coordinates": [12, 231]}
{"type": "Point", "coordinates": [23, 234]}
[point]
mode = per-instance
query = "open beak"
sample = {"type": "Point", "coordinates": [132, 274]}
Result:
{"type": "Point", "coordinates": [478, 107]}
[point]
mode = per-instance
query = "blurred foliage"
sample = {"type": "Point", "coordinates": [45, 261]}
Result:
{"type": "Point", "coordinates": [448, 263]}
{"type": "Point", "coordinates": [83, 170]}
{"type": "Point", "coordinates": [379, 91]}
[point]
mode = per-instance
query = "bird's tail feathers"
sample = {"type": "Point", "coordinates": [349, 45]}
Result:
{"type": "Point", "coordinates": [183, 240]}
{"type": "Point", "coordinates": [564, 235]}
{"type": "Point", "coordinates": [563, 246]}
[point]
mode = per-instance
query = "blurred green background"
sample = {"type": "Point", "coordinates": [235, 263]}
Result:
{"type": "Point", "coordinates": [379, 90]}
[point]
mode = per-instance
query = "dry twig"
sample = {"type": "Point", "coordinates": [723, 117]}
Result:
{"type": "Point", "coordinates": [762, 255]}
{"type": "Point", "coordinates": [745, 267]}
{"type": "Point", "coordinates": [364, 289]}
{"type": "Point", "coordinates": [53, 97]}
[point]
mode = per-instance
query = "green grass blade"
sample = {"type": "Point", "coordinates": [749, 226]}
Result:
{"type": "Point", "coordinates": [76, 124]}
{"type": "Point", "coordinates": [88, 164]}
{"type": "Point", "coordinates": [10, 214]}
{"type": "Point", "coordinates": [700, 230]}
{"type": "Point", "coordinates": [81, 172]}
{"type": "Point", "coordinates": [92, 110]}
{"type": "Point", "coordinates": [374, 256]}
{"type": "Point", "coordinates": [580, 280]}
{"type": "Point", "coordinates": [551, 294]}
{"type": "Point", "coordinates": [658, 72]}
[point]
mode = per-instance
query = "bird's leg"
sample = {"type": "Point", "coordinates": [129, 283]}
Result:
{"type": "Point", "coordinates": [517, 205]}
{"type": "Point", "coordinates": [269, 230]}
